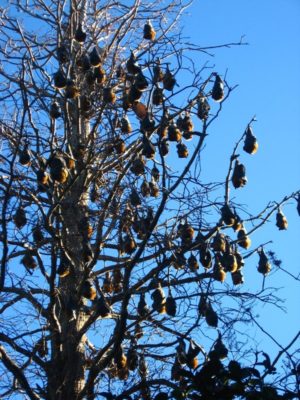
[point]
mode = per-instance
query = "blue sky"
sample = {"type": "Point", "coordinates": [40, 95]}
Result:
{"type": "Point", "coordinates": [267, 71]}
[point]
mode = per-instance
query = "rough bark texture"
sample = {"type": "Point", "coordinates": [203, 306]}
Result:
{"type": "Point", "coordinates": [68, 358]}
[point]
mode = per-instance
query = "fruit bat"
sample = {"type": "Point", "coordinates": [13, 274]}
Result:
{"type": "Point", "coordinates": [155, 173]}
{"type": "Point", "coordinates": [37, 234]}
{"type": "Point", "coordinates": [157, 96]}
{"type": "Point", "coordinates": [171, 306]}
{"type": "Point", "coordinates": [117, 280]}
{"type": "Point", "coordinates": [109, 95]}
{"type": "Point", "coordinates": [281, 221]}
{"type": "Point", "coordinates": [193, 263]}
{"type": "Point", "coordinates": [182, 150]}
{"type": "Point", "coordinates": [205, 257]}
{"type": "Point", "coordinates": [148, 124]}
{"type": "Point", "coordinates": [99, 75]}
{"type": "Point", "coordinates": [129, 244]}
{"type": "Point", "coordinates": [55, 110]}
{"type": "Point", "coordinates": [164, 148]}
{"type": "Point", "coordinates": [59, 80]}
{"type": "Point", "coordinates": [149, 32]}
{"type": "Point", "coordinates": [135, 198]}
{"type": "Point", "coordinates": [140, 82]}
{"type": "Point", "coordinates": [243, 240]}
{"type": "Point", "coordinates": [140, 110]}
{"type": "Point", "coordinates": [154, 189]}
{"type": "Point", "coordinates": [218, 272]}
{"type": "Point", "coordinates": [95, 58]}
{"type": "Point", "coordinates": [62, 54]}
{"type": "Point", "coordinates": [239, 178]}
{"type": "Point", "coordinates": [132, 65]}
{"type": "Point", "coordinates": [250, 143]}
{"type": "Point", "coordinates": [159, 299]}
{"type": "Point", "coordinates": [28, 260]}
{"type": "Point", "coordinates": [219, 350]}
{"type": "Point", "coordinates": [134, 94]}
{"type": "Point", "coordinates": [237, 277]}
{"type": "Point", "coordinates": [72, 90]}
{"type": "Point", "coordinates": [227, 215]}
{"type": "Point", "coordinates": [84, 63]}
{"type": "Point", "coordinates": [24, 157]}
{"type": "Point", "coordinates": [63, 269]}
{"type": "Point", "coordinates": [142, 307]}
{"type": "Point", "coordinates": [211, 316]}
{"type": "Point", "coordinates": [88, 290]}
{"type": "Point", "coordinates": [203, 108]}
{"type": "Point", "coordinates": [218, 89]}
{"type": "Point", "coordinates": [187, 123]}
{"type": "Point", "coordinates": [148, 148]}
{"type": "Point", "coordinates": [158, 74]}
{"type": "Point", "coordinates": [119, 145]}
{"type": "Point", "coordinates": [80, 34]}
{"type": "Point", "coordinates": [192, 353]}
{"type": "Point", "coordinates": [174, 134]}
{"type": "Point", "coordinates": [107, 286]}
{"type": "Point", "coordinates": [103, 308]}
{"type": "Point", "coordinates": [20, 218]}
{"type": "Point", "coordinates": [229, 262]}
{"type": "Point", "coordinates": [138, 166]}
{"type": "Point", "coordinates": [145, 189]}
{"type": "Point", "coordinates": [125, 125]}
{"type": "Point", "coordinates": [169, 80]}
{"type": "Point", "coordinates": [219, 242]}
{"type": "Point", "coordinates": [264, 266]}
{"type": "Point", "coordinates": [58, 169]}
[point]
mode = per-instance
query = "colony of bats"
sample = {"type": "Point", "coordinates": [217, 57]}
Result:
{"type": "Point", "coordinates": [136, 90]}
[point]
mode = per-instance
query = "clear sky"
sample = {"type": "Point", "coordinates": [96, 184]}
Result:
{"type": "Point", "coordinates": [268, 74]}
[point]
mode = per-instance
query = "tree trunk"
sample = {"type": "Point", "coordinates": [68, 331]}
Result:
{"type": "Point", "coordinates": [68, 348]}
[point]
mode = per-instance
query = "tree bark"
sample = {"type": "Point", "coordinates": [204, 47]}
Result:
{"type": "Point", "coordinates": [68, 348]}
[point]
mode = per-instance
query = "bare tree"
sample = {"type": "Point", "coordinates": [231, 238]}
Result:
{"type": "Point", "coordinates": [115, 255]}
